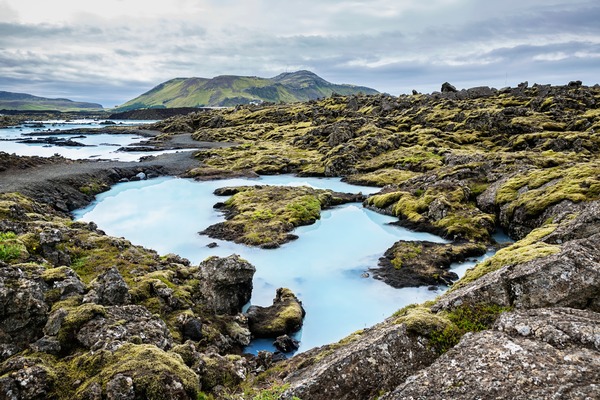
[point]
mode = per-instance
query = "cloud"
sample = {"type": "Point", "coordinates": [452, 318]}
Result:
{"type": "Point", "coordinates": [117, 49]}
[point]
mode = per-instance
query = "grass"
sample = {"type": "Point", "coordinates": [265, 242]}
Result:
{"type": "Point", "coordinates": [10, 248]}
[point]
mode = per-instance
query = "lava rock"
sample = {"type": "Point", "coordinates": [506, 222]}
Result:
{"type": "Point", "coordinates": [286, 344]}
{"type": "Point", "coordinates": [192, 329]}
{"type": "Point", "coordinates": [283, 317]}
{"type": "Point", "coordinates": [226, 283]}
{"type": "Point", "coordinates": [109, 289]}
{"type": "Point", "coordinates": [448, 88]}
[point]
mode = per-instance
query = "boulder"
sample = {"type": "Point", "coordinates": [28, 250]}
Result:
{"type": "Point", "coordinates": [64, 283]}
{"type": "Point", "coordinates": [283, 317]}
{"type": "Point", "coordinates": [192, 329]}
{"type": "Point", "coordinates": [360, 367]}
{"type": "Point", "coordinates": [226, 283]}
{"type": "Point", "coordinates": [536, 354]}
{"type": "Point", "coordinates": [49, 239]}
{"type": "Point", "coordinates": [122, 324]}
{"type": "Point", "coordinates": [569, 278]}
{"type": "Point", "coordinates": [448, 88]}
{"type": "Point", "coordinates": [23, 310]}
{"type": "Point", "coordinates": [286, 344]}
{"type": "Point", "coordinates": [109, 289]}
{"type": "Point", "coordinates": [24, 379]}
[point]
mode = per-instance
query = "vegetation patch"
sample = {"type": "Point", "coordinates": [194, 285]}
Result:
{"type": "Point", "coordinates": [265, 215]}
{"type": "Point", "coordinates": [527, 249]}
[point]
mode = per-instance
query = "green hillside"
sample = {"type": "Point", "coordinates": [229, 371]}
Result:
{"type": "Point", "coordinates": [230, 90]}
{"type": "Point", "coordinates": [27, 102]}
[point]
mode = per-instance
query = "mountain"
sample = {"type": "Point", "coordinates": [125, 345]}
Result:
{"type": "Point", "coordinates": [230, 90]}
{"type": "Point", "coordinates": [27, 102]}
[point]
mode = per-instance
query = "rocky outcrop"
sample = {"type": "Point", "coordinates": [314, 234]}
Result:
{"type": "Point", "coordinates": [23, 309]}
{"type": "Point", "coordinates": [124, 324]}
{"type": "Point", "coordinates": [285, 316]}
{"type": "Point", "coordinates": [569, 278]}
{"type": "Point", "coordinates": [109, 289]}
{"type": "Point", "coordinates": [373, 361]}
{"type": "Point", "coordinates": [543, 353]}
{"type": "Point", "coordinates": [226, 283]}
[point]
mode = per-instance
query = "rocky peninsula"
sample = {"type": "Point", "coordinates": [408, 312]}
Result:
{"type": "Point", "coordinates": [88, 316]}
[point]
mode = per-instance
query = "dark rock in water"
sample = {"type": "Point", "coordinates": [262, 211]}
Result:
{"type": "Point", "coordinates": [53, 141]}
{"type": "Point", "coordinates": [283, 317]}
{"type": "Point", "coordinates": [226, 283]}
{"type": "Point", "coordinates": [535, 354]}
{"type": "Point", "coordinates": [109, 289]}
{"type": "Point", "coordinates": [212, 245]}
{"type": "Point", "coordinates": [408, 264]}
{"type": "Point", "coordinates": [192, 329]}
{"type": "Point", "coordinates": [286, 344]}
{"type": "Point", "coordinates": [448, 88]}
{"type": "Point", "coordinates": [138, 177]}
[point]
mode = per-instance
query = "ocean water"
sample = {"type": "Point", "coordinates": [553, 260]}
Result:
{"type": "Point", "coordinates": [97, 146]}
{"type": "Point", "coordinates": [325, 267]}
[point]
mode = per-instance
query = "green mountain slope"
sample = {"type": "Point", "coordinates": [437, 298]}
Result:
{"type": "Point", "coordinates": [230, 90]}
{"type": "Point", "coordinates": [27, 102]}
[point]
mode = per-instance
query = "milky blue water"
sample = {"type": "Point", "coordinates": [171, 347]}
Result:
{"type": "Point", "coordinates": [97, 145]}
{"type": "Point", "coordinates": [324, 267]}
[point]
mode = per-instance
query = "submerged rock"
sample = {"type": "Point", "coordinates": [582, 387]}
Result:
{"type": "Point", "coordinates": [283, 317]}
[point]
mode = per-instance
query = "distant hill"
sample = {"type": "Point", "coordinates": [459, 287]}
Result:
{"type": "Point", "coordinates": [230, 90]}
{"type": "Point", "coordinates": [27, 102]}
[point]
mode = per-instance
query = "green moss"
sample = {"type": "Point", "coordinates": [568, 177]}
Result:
{"type": "Point", "coordinates": [273, 393]}
{"type": "Point", "coordinates": [542, 188]}
{"type": "Point", "coordinates": [55, 274]}
{"type": "Point", "coordinates": [77, 316]}
{"type": "Point", "coordinates": [149, 367]}
{"type": "Point", "coordinates": [527, 249]}
{"type": "Point", "coordinates": [445, 328]}
{"type": "Point", "coordinates": [93, 188]}
{"type": "Point", "coordinates": [11, 248]}
{"type": "Point", "coordinates": [406, 252]}
{"type": "Point", "coordinates": [262, 215]}
{"type": "Point", "coordinates": [473, 318]}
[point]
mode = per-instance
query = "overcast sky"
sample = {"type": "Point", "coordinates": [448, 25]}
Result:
{"type": "Point", "coordinates": [113, 50]}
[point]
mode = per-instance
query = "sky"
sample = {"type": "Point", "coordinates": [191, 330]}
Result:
{"type": "Point", "coordinates": [111, 51]}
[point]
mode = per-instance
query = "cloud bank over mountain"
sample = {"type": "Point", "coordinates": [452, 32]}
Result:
{"type": "Point", "coordinates": [113, 50]}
